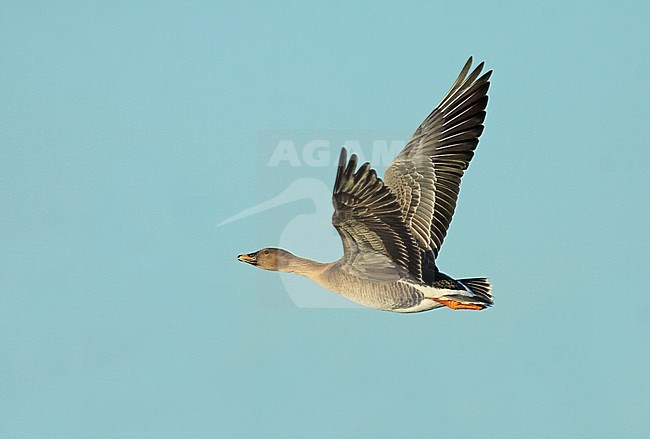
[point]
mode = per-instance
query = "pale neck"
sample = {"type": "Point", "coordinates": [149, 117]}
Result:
{"type": "Point", "coordinates": [302, 266]}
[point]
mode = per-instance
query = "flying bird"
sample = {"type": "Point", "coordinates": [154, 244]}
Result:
{"type": "Point", "coordinates": [392, 229]}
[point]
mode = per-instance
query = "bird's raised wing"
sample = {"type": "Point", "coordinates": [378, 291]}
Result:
{"type": "Point", "coordinates": [377, 244]}
{"type": "Point", "coordinates": [425, 176]}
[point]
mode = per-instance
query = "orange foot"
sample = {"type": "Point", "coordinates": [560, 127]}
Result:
{"type": "Point", "coordinates": [454, 304]}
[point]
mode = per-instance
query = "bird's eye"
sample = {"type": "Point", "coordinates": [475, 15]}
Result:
{"type": "Point", "coordinates": [266, 252]}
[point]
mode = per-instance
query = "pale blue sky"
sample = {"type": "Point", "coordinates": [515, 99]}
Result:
{"type": "Point", "coordinates": [130, 129]}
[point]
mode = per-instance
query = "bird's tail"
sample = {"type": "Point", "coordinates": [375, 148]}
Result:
{"type": "Point", "coordinates": [478, 295]}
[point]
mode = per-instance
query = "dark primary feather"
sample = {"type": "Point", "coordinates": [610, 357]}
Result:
{"type": "Point", "coordinates": [426, 174]}
{"type": "Point", "coordinates": [377, 243]}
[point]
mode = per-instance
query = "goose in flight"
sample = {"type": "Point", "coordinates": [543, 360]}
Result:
{"type": "Point", "coordinates": [392, 229]}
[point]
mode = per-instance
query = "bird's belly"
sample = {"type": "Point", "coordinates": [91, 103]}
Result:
{"type": "Point", "coordinates": [391, 296]}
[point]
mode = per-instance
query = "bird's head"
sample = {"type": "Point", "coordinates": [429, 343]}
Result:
{"type": "Point", "coordinates": [274, 259]}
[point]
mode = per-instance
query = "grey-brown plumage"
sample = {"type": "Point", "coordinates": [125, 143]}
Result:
{"type": "Point", "coordinates": [426, 174]}
{"type": "Point", "coordinates": [392, 230]}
